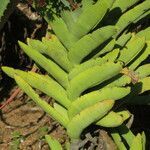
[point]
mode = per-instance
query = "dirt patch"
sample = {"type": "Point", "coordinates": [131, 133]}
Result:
{"type": "Point", "coordinates": [26, 123]}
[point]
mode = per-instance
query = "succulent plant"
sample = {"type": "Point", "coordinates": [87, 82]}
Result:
{"type": "Point", "coordinates": [92, 64]}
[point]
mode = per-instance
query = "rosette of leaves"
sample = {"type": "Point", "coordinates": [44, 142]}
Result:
{"type": "Point", "coordinates": [89, 68]}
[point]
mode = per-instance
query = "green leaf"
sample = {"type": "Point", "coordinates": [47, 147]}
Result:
{"type": "Point", "coordinates": [123, 5]}
{"type": "Point", "coordinates": [51, 67]}
{"type": "Point", "coordinates": [88, 116]}
{"type": "Point", "coordinates": [37, 45]}
{"type": "Point", "coordinates": [85, 66]}
{"type": "Point", "coordinates": [125, 114]}
{"type": "Point", "coordinates": [120, 81]}
{"type": "Point", "coordinates": [141, 57]}
{"type": "Point", "coordinates": [48, 86]}
{"type": "Point", "coordinates": [100, 73]}
{"type": "Point", "coordinates": [106, 49]}
{"type": "Point", "coordinates": [86, 4]}
{"type": "Point", "coordinates": [131, 15]}
{"type": "Point", "coordinates": [57, 52]}
{"type": "Point", "coordinates": [126, 134]}
{"type": "Point", "coordinates": [112, 56]}
{"type": "Point", "coordinates": [144, 16]}
{"type": "Point", "coordinates": [143, 71]}
{"type": "Point", "coordinates": [132, 49]}
{"type": "Point", "coordinates": [143, 84]}
{"type": "Point", "coordinates": [137, 143]}
{"type": "Point", "coordinates": [112, 119]}
{"type": "Point", "coordinates": [61, 110]}
{"type": "Point", "coordinates": [62, 32]}
{"type": "Point", "coordinates": [144, 33]}
{"type": "Point", "coordinates": [44, 105]}
{"type": "Point", "coordinates": [68, 18]}
{"type": "Point", "coordinates": [143, 140]}
{"type": "Point", "coordinates": [89, 42]}
{"type": "Point", "coordinates": [53, 143]}
{"type": "Point", "coordinates": [54, 49]}
{"type": "Point", "coordinates": [83, 25]}
{"type": "Point", "coordinates": [94, 97]}
{"type": "Point", "coordinates": [123, 39]}
{"type": "Point", "coordinates": [117, 138]}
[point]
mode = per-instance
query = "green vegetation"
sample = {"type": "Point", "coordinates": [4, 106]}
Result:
{"type": "Point", "coordinates": [93, 62]}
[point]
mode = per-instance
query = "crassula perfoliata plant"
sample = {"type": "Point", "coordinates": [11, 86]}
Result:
{"type": "Point", "coordinates": [93, 62]}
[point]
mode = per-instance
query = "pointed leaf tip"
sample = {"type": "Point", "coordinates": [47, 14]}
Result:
{"type": "Point", "coordinates": [9, 71]}
{"type": "Point", "coordinates": [23, 46]}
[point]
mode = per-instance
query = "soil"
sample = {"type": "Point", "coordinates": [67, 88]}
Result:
{"type": "Point", "coordinates": [22, 118]}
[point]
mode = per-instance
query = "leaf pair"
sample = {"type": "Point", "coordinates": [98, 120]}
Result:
{"type": "Point", "coordinates": [125, 135]}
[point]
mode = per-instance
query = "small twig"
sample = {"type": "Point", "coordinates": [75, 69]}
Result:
{"type": "Point", "coordinates": [72, 4]}
{"type": "Point", "coordinates": [16, 92]}
{"type": "Point", "coordinates": [10, 99]}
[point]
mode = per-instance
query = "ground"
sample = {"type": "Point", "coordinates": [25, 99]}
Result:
{"type": "Point", "coordinates": [25, 122]}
